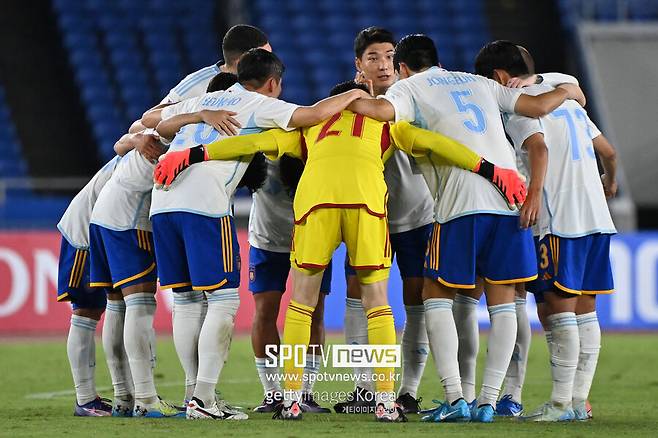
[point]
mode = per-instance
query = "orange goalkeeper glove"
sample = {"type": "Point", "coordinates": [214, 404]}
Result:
{"type": "Point", "coordinates": [508, 182]}
{"type": "Point", "coordinates": [173, 163]}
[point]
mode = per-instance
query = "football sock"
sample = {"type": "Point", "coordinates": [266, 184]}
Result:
{"type": "Point", "coordinates": [187, 316]}
{"type": "Point", "coordinates": [516, 372]}
{"type": "Point", "coordinates": [415, 349]}
{"type": "Point", "coordinates": [590, 345]}
{"type": "Point", "coordinates": [464, 310]}
{"type": "Point", "coordinates": [268, 376]}
{"type": "Point", "coordinates": [444, 344]}
{"type": "Point", "coordinates": [381, 331]}
{"type": "Point", "coordinates": [137, 337]}
{"type": "Point", "coordinates": [564, 356]}
{"type": "Point", "coordinates": [296, 331]}
{"type": "Point", "coordinates": [215, 341]}
{"type": "Point", "coordinates": [549, 341]}
{"type": "Point", "coordinates": [115, 352]}
{"type": "Point", "coordinates": [499, 351]}
{"type": "Point", "coordinates": [81, 350]}
{"type": "Point", "coordinates": [311, 372]}
{"type": "Point", "coordinates": [356, 333]}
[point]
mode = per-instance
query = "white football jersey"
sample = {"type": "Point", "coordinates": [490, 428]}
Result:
{"type": "Point", "coordinates": [207, 188]}
{"type": "Point", "coordinates": [467, 108]}
{"type": "Point", "coordinates": [193, 85]}
{"type": "Point", "coordinates": [74, 224]}
{"type": "Point", "coordinates": [574, 202]}
{"type": "Point", "coordinates": [410, 204]}
{"type": "Point", "coordinates": [271, 218]}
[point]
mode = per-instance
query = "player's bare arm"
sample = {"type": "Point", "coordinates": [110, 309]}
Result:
{"type": "Point", "coordinates": [148, 145]}
{"type": "Point", "coordinates": [608, 156]}
{"type": "Point", "coordinates": [220, 120]}
{"type": "Point", "coordinates": [539, 106]}
{"type": "Point", "coordinates": [322, 110]}
{"type": "Point", "coordinates": [538, 155]}
{"type": "Point", "coordinates": [378, 109]}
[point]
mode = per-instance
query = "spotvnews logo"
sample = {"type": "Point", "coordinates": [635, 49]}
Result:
{"type": "Point", "coordinates": [337, 355]}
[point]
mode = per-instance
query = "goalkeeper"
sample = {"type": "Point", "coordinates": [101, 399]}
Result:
{"type": "Point", "coordinates": [341, 197]}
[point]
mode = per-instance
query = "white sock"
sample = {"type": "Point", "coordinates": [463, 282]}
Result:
{"type": "Point", "coordinates": [311, 372]}
{"type": "Point", "coordinates": [81, 349]}
{"type": "Point", "coordinates": [464, 310]}
{"type": "Point", "coordinates": [499, 351]}
{"type": "Point", "coordinates": [138, 338]}
{"type": "Point", "coordinates": [115, 352]}
{"type": "Point", "coordinates": [269, 377]}
{"type": "Point", "coordinates": [215, 341]}
{"type": "Point", "coordinates": [356, 333]}
{"type": "Point", "coordinates": [590, 345]}
{"type": "Point", "coordinates": [444, 344]}
{"type": "Point", "coordinates": [516, 372]}
{"type": "Point", "coordinates": [564, 356]}
{"type": "Point", "coordinates": [415, 349]}
{"type": "Point", "coordinates": [187, 317]}
{"type": "Point", "coordinates": [549, 342]}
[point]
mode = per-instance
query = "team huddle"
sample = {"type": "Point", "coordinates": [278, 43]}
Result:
{"type": "Point", "coordinates": [407, 159]}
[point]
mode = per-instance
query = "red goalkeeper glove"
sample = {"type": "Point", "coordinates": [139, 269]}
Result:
{"type": "Point", "coordinates": [508, 182]}
{"type": "Point", "coordinates": [173, 163]}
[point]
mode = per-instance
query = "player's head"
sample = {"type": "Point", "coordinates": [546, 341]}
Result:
{"type": "Point", "coordinates": [238, 40]}
{"type": "Point", "coordinates": [254, 177]}
{"type": "Point", "coordinates": [501, 60]}
{"type": "Point", "coordinates": [261, 71]}
{"type": "Point", "coordinates": [373, 50]}
{"type": "Point", "coordinates": [347, 86]}
{"type": "Point", "coordinates": [222, 81]}
{"type": "Point", "coordinates": [413, 54]}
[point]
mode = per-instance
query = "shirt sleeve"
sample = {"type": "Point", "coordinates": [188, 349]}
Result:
{"type": "Point", "coordinates": [184, 107]}
{"type": "Point", "coordinates": [592, 129]}
{"type": "Point", "coordinates": [504, 96]}
{"type": "Point", "coordinates": [555, 79]}
{"type": "Point", "coordinates": [519, 128]}
{"type": "Point", "coordinates": [400, 96]}
{"type": "Point", "coordinates": [274, 113]}
{"type": "Point", "coordinates": [273, 143]}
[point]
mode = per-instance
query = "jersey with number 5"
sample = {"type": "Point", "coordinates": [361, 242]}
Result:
{"type": "Point", "coordinates": [467, 108]}
{"type": "Point", "coordinates": [574, 203]}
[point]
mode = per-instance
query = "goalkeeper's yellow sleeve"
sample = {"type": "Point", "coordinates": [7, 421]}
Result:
{"type": "Point", "coordinates": [273, 143]}
{"type": "Point", "coordinates": [418, 142]}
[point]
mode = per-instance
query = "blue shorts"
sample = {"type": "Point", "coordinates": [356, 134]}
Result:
{"type": "Point", "coordinates": [268, 271]}
{"type": "Point", "coordinates": [574, 265]}
{"type": "Point", "coordinates": [73, 279]}
{"type": "Point", "coordinates": [195, 250]}
{"type": "Point", "coordinates": [120, 258]}
{"type": "Point", "coordinates": [409, 248]}
{"type": "Point", "coordinates": [486, 245]}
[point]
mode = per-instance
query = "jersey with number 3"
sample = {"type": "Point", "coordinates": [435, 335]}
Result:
{"type": "Point", "coordinates": [574, 204]}
{"type": "Point", "coordinates": [467, 108]}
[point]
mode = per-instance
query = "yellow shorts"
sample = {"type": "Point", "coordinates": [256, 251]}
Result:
{"type": "Point", "coordinates": [366, 238]}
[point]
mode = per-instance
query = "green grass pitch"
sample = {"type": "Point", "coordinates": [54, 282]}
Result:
{"type": "Point", "coordinates": [36, 397]}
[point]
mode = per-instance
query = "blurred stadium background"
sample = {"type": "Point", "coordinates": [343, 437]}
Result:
{"type": "Point", "coordinates": [75, 73]}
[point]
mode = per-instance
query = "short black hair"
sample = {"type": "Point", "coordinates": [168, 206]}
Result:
{"type": "Point", "coordinates": [371, 35]}
{"type": "Point", "coordinates": [222, 81]}
{"type": "Point", "coordinates": [347, 86]}
{"type": "Point", "coordinates": [254, 177]}
{"type": "Point", "coordinates": [417, 51]}
{"type": "Point", "coordinates": [503, 55]}
{"type": "Point", "coordinates": [239, 39]}
{"type": "Point", "coordinates": [257, 66]}
{"type": "Point", "coordinates": [290, 172]}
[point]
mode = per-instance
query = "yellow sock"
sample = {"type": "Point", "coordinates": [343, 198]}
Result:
{"type": "Point", "coordinates": [381, 331]}
{"type": "Point", "coordinates": [296, 331]}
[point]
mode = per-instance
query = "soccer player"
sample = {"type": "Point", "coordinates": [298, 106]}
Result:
{"type": "Point", "coordinates": [574, 224]}
{"type": "Point", "coordinates": [410, 215]}
{"type": "Point", "coordinates": [196, 225]}
{"type": "Point", "coordinates": [474, 232]}
{"type": "Point", "coordinates": [358, 146]}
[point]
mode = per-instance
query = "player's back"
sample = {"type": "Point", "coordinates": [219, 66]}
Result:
{"type": "Point", "coordinates": [575, 201]}
{"type": "Point", "coordinates": [344, 164]}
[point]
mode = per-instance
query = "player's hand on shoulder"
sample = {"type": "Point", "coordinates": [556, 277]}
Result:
{"type": "Point", "coordinates": [609, 186]}
{"type": "Point", "coordinates": [149, 146]}
{"type": "Point", "coordinates": [575, 93]}
{"type": "Point", "coordinates": [519, 82]}
{"type": "Point", "coordinates": [221, 120]}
